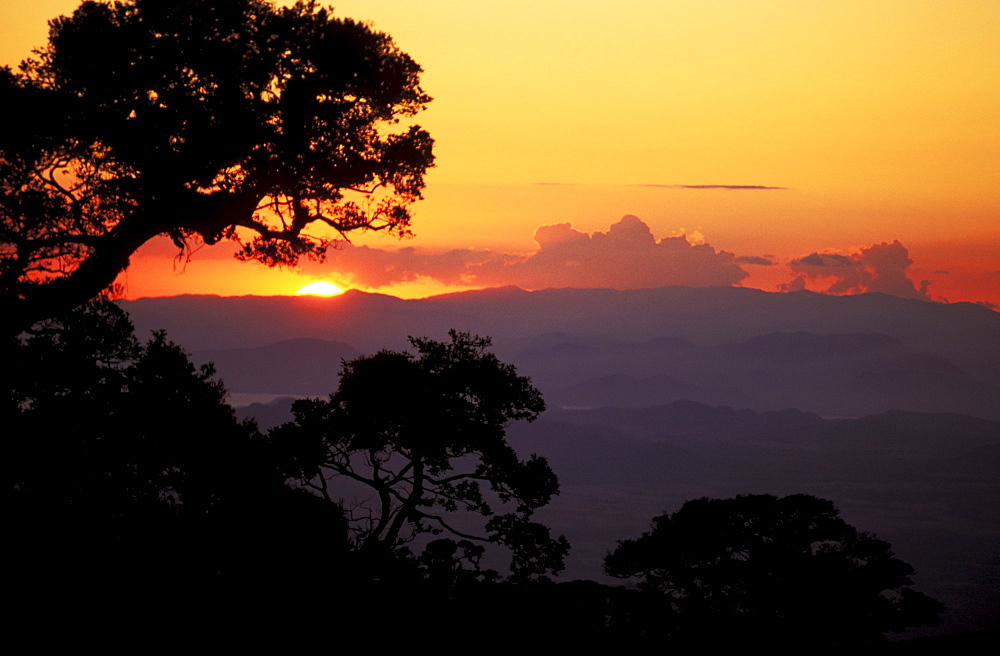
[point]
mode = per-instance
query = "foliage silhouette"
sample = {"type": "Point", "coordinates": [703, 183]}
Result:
{"type": "Point", "coordinates": [423, 439]}
{"type": "Point", "coordinates": [786, 573]}
{"type": "Point", "coordinates": [449, 563]}
{"type": "Point", "coordinates": [128, 471]}
{"type": "Point", "coordinates": [203, 120]}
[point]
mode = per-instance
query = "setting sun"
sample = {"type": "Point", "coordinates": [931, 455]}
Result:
{"type": "Point", "coordinates": [320, 288]}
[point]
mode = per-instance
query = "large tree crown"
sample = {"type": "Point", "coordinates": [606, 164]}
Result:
{"type": "Point", "coordinates": [225, 92]}
{"type": "Point", "coordinates": [421, 436]}
{"type": "Point", "coordinates": [282, 128]}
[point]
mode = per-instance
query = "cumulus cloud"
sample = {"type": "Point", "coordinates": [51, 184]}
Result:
{"type": "Point", "coordinates": [878, 268]}
{"type": "Point", "coordinates": [627, 256]}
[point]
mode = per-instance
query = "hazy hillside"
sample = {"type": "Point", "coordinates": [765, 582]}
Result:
{"type": "Point", "coordinates": [965, 334]}
{"type": "Point", "coordinates": [834, 375]}
{"type": "Point", "coordinates": [836, 356]}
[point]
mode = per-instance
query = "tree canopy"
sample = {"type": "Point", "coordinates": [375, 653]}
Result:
{"type": "Point", "coordinates": [422, 440]}
{"type": "Point", "coordinates": [774, 571]}
{"type": "Point", "coordinates": [202, 120]}
{"type": "Point", "coordinates": [127, 469]}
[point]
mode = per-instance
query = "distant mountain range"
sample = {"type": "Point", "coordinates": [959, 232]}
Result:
{"type": "Point", "coordinates": [836, 356]}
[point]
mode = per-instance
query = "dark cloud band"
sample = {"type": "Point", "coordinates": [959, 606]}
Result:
{"type": "Point", "coordinates": [717, 186]}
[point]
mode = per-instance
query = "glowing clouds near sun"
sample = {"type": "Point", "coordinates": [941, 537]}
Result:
{"type": "Point", "coordinates": [627, 256]}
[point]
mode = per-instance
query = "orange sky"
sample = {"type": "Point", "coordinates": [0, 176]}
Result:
{"type": "Point", "coordinates": [879, 121]}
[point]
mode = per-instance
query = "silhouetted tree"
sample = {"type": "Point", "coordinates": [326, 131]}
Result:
{"type": "Point", "coordinates": [448, 563]}
{"type": "Point", "coordinates": [785, 573]}
{"type": "Point", "coordinates": [202, 120]}
{"type": "Point", "coordinates": [424, 438]}
{"type": "Point", "coordinates": [126, 469]}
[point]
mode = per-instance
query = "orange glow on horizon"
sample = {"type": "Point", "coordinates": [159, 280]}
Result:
{"type": "Point", "coordinates": [319, 288]}
{"type": "Point", "coordinates": [868, 122]}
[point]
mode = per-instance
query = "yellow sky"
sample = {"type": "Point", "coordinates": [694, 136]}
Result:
{"type": "Point", "coordinates": [881, 119]}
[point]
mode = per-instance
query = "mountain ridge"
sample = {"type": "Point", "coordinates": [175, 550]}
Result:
{"type": "Point", "coordinates": [834, 355]}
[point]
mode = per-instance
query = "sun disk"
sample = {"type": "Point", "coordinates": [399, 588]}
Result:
{"type": "Point", "coordinates": [320, 288]}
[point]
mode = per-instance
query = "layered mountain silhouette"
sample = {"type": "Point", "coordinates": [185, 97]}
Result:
{"type": "Point", "coordinates": [839, 374]}
{"type": "Point", "coordinates": [836, 356]}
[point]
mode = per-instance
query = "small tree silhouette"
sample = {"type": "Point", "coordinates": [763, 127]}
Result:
{"type": "Point", "coordinates": [785, 572]}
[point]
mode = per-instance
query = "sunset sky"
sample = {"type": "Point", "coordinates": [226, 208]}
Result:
{"type": "Point", "coordinates": [816, 145]}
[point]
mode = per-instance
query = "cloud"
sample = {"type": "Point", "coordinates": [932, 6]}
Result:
{"type": "Point", "coordinates": [825, 260]}
{"type": "Point", "coordinates": [731, 187]}
{"type": "Point", "coordinates": [755, 259]}
{"type": "Point", "coordinates": [878, 268]}
{"type": "Point", "coordinates": [374, 267]}
{"type": "Point", "coordinates": [627, 256]}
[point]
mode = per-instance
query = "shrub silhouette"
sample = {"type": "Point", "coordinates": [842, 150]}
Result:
{"type": "Point", "coordinates": [780, 572]}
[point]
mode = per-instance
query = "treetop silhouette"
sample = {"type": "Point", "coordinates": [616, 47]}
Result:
{"type": "Point", "coordinates": [422, 437]}
{"type": "Point", "coordinates": [776, 571]}
{"type": "Point", "coordinates": [203, 120]}
{"type": "Point", "coordinates": [128, 470]}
